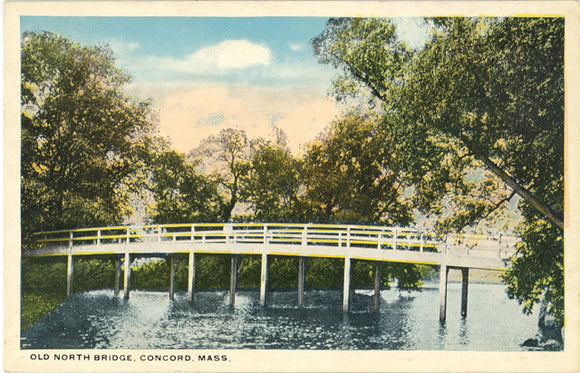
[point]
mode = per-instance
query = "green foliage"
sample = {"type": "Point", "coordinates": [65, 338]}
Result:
{"type": "Point", "coordinates": [84, 142]}
{"type": "Point", "coordinates": [273, 182]}
{"type": "Point", "coordinates": [249, 271]}
{"type": "Point", "coordinates": [180, 193]}
{"type": "Point", "coordinates": [43, 287]}
{"type": "Point", "coordinates": [364, 50]}
{"type": "Point", "coordinates": [537, 272]}
{"type": "Point", "coordinates": [409, 276]}
{"type": "Point", "coordinates": [348, 175]}
{"type": "Point", "coordinates": [93, 273]}
{"type": "Point", "coordinates": [43, 275]}
{"type": "Point", "coordinates": [282, 272]}
{"type": "Point", "coordinates": [324, 272]}
{"type": "Point", "coordinates": [153, 274]}
{"type": "Point", "coordinates": [362, 273]}
{"type": "Point", "coordinates": [212, 271]}
{"type": "Point", "coordinates": [483, 92]}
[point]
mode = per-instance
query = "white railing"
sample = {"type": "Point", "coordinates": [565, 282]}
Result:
{"type": "Point", "coordinates": [356, 236]}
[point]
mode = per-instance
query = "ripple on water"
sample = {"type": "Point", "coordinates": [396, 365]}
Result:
{"type": "Point", "coordinates": [149, 320]}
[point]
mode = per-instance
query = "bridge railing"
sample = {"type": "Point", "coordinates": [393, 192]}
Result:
{"type": "Point", "coordinates": [248, 233]}
{"type": "Point", "coordinates": [344, 236]}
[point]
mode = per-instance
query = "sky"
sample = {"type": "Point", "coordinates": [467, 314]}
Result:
{"type": "Point", "coordinates": [204, 74]}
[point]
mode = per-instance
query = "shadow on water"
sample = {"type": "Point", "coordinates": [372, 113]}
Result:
{"type": "Point", "coordinates": [149, 320]}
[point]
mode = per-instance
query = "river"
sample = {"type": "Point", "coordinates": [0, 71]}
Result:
{"type": "Point", "coordinates": [149, 320]}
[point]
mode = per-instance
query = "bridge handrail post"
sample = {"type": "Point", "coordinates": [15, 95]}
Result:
{"type": "Point", "coordinates": [98, 236]}
{"type": "Point", "coordinates": [192, 229]}
{"type": "Point", "coordinates": [422, 241]}
{"type": "Point", "coordinates": [265, 230]}
{"type": "Point", "coordinates": [226, 230]}
{"type": "Point", "coordinates": [158, 233]}
{"type": "Point", "coordinates": [305, 235]}
{"type": "Point", "coordinates": [127, 235]}
{"type": "Point", "coordinates": [395, 238]}
{"type": "Point", "coordinates": [71, 240]}
{"type": "Point", "coordinates": [348, 237]}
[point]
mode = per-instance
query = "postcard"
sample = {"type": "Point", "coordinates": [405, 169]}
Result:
{"type": "Point", "coordinates": [273, 186]}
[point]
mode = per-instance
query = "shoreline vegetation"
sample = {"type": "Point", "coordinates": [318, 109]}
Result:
{"type": "Point", "coordinates": [44, 279]}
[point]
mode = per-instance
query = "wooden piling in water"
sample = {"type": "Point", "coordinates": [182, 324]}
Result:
{"type": "Point", "coordinates": [264, 279]}
{"type": "Point", "coordinates": [127, 278]}
{"type": "Point", "coordinates": [346, 285]}
{"type": "Point", "coordinates": [464, 285]}
{"type": "Point", "coordinates": [301, 279]}
{"type": "Point", "coordinates": [171, 260]}
{"type": "Point", "coordinates": [377, 296]}
{"type": "Point", "coordinates": [118, 275]}
{"type": "Point", "coordinates": [191, 276]}
{"type": "Point", "coordinates": [443, 274]}
{"type": "Point", "coordinates": [69, 275]}
{"type": "Point", "coordinates": [233, 279]}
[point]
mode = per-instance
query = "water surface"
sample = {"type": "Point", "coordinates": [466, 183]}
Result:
{"type": "Point", "coordinates": [149, 320]}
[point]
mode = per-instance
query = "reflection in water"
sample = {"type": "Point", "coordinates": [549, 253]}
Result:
{"type": "Point", "coordinates": [149, 320]}
{"type": "Point", "coordinates": [463, 333]}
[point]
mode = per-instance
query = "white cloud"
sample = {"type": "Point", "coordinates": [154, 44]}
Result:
{"type": "Point", "coordinates": [232, 54]}
{"type": "Point", "coordinates": [189, 114]}
{"type": "Point", "coordinates": [227, 56]}
{"type": "Point", "coordinates": [295, 47]}
{"type": "Point", "coordinates": [122, 47]}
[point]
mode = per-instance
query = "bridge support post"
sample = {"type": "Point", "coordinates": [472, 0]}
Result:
{"type": "Point", "coordinates": [443, 274]}
{"type": "Point", "coordinates": [171, 260]}
{"type": "Point", "coordinates": [233, 279]}
{"type": "Point", "coordinates": [191, 276]}
{"type": "Point", "coordinates": [346, 285]}
{"type": "Point", "coordinates": [69, 275]}
{"type": "Point", "coordinates": [264, 279]}
{"type": "Point", "coordinates": [464, 284]}
{"type": "Point", "coordinates": [377, 297]}
{"type": "Point", "coordinates": [301, 278]}
{"type": "Point", "coordinates": [127, 278]}
{"type": "Point", "coordinates": [118, 275]}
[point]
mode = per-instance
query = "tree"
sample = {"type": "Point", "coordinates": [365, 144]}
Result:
{"type": "Point", "coordinates": [483, 92]}
{"type": "Point", "coordinates": [180, 193]}
{"type": "Point", "coordinates": [227, 157]}
{"type": "Point", "coordinates": [349, 175]}
{"type": "Point", "coordinates": [84, 141]}
{"type": "Point", "coordinates": [273, 181]}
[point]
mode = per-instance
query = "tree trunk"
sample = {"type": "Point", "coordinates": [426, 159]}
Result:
{"type": "Point", "coordinates": [554, 216]}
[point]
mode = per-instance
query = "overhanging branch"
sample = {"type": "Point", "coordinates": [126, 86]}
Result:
{"type": "Point", "coordinates": [554, 216]}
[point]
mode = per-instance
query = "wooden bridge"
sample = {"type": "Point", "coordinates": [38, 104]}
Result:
{"type": "Point", "coordinates": [365, 242]}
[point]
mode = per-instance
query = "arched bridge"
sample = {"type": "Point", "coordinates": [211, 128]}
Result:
{"type": "Point", "coordinates": [366, 242]}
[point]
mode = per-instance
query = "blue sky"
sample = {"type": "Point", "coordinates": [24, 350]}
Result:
{"type": "Point", "coordinates": [209, 73]}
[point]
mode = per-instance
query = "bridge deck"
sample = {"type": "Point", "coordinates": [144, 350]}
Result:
{"type": "Point", "coordinates": [377, 243]}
